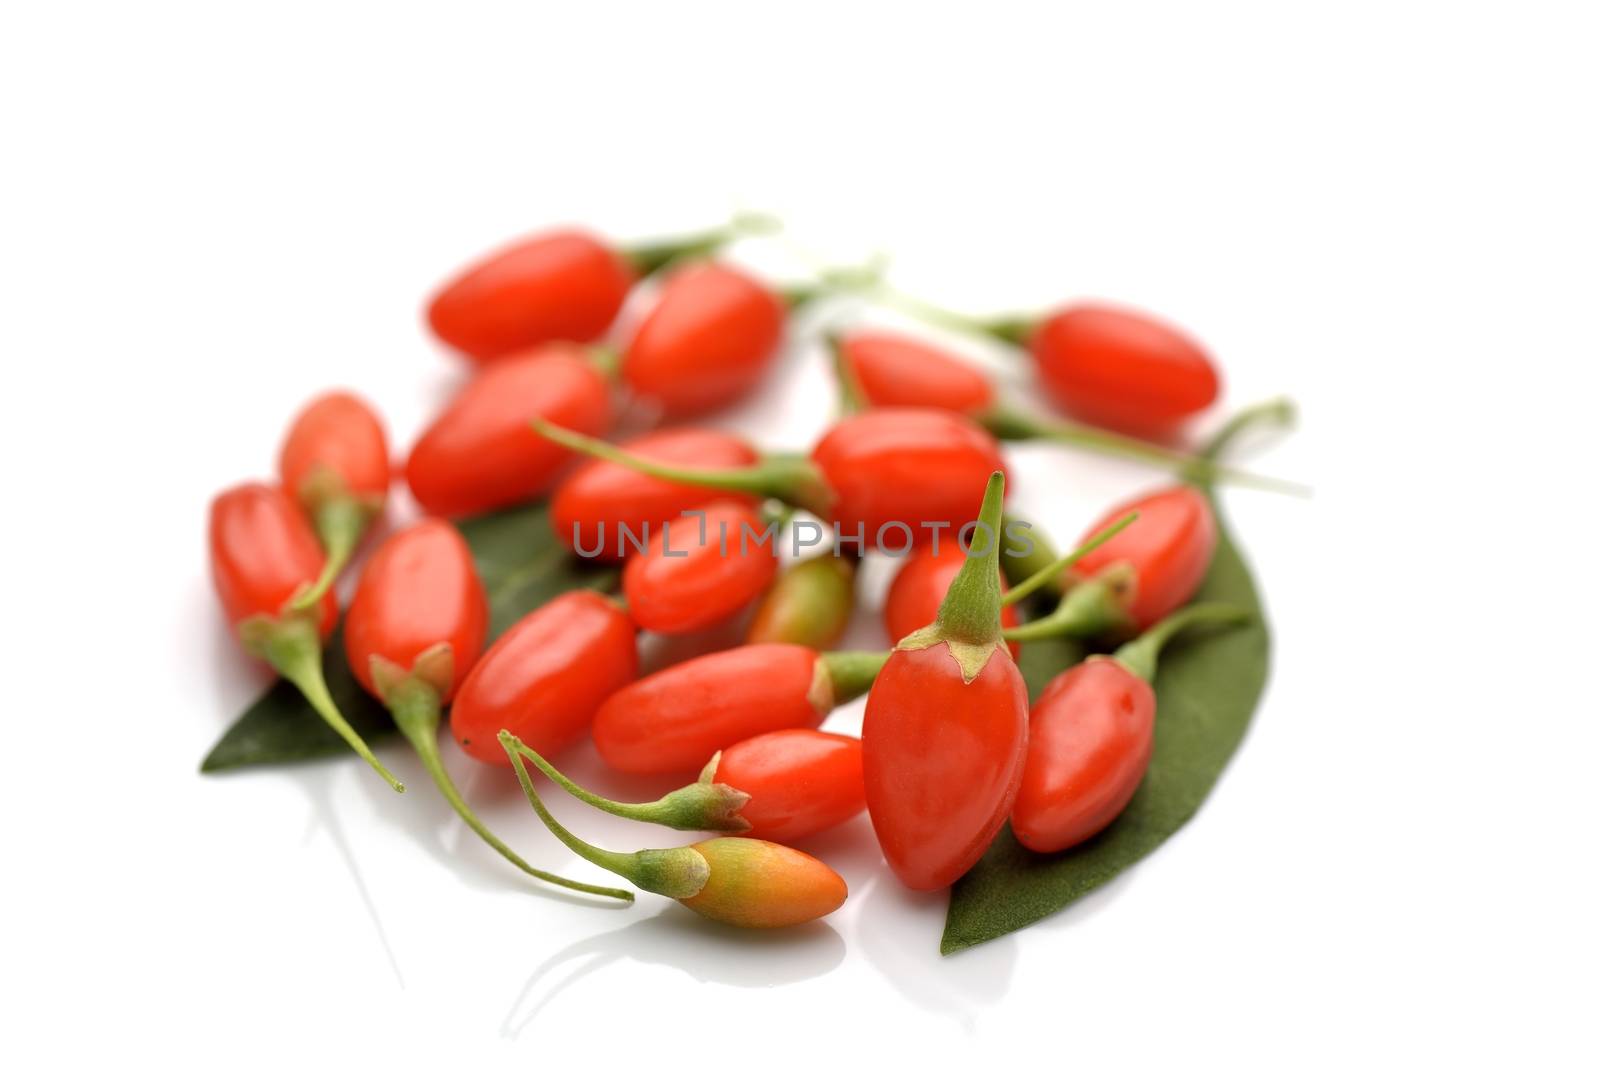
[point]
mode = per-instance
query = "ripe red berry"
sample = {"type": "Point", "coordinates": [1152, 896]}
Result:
{"type": "Point", "coordinates": [1122, 369]}
{"type": "Point", "coordinates": [479, 454]}
{"type": "Point", "coordinates": [544, 678]}
{"type": "Point", "coordinates": [800, 781]}
{"type": "Point", "coordinates": [1168, 550]}
{"type": "Point", "coordinates": [895, 371]}
{"type": "Point", "coordinates": [566, 285]}
{"type": "Point", "coordinates": [699, 570]}
{"type": "Point", "coordinates": [709, 339]}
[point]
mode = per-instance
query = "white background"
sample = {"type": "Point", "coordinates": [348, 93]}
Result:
{"type": "Point", "coordinates": [1388, 211]}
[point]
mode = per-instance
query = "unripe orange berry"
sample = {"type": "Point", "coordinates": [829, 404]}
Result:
{"type": "Point", "coordinates": [762, 884]}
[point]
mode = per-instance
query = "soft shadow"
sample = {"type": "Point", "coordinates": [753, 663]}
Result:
{"type": "Point", "coordinates": [317, 784]}
{"type": "Point", "coordinates": [899, 931]}
{"type": "Point", "coordinates": [430, 822]}
{"type": "Point", "coordinates": [705, 951]}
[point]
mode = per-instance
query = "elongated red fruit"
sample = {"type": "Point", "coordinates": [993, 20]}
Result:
{"type": "Point", "coordinates": [723, 567]}
{"type": "Point", "coordinates": [605, 510]}
{"type": "Point", "coordinates": [479, 454]}
{"type": "Point", "coordinates": [674, 720]}
{"type": "Point", "coordinates": [919, 588]}
{"type": "Point", "coordinates": [800, 781]}
{"type": "Point", "coordinates": [709, 339]}
{"type": "Point", "coordinates": [418, 595]}
{"type": "Point", "coordinates": [895, 371]}
{"type": "Point", "coordinates": [566, 285]}
{"type": "Point", "coordinates": [905, 467]}
{"type": "Point", "coordinates": [1122, 368]}
{"type": "Point", "coordinates": [1169, 550]}
{"type": "Point", "coordinates": [946, 730]}
{"type": "Point", "coordinates": [263, 552]}
{"type": "Point", "coordinates": [545, 677]}
{"type": "Point", "coordinates": [1091, 734]}
{"type": "Point", "coordinates": [336, 437]}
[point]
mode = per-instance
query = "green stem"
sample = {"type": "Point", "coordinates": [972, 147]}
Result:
{"type": "Point", "coordinates": [1088, 609]}
{"type": "Point", "coordinates": [292, 646]}
{"type": "Point", "coordinates": [1140, 655]}
{"type": "Point", "coordinates": [1008, 424]}
{"type": "Point", "coordinates": [340, 520]}
{"type": "Point", "coordinates": [607, 359]}
{"type": "Point", "coordinates": [677, 873]}
{"type": "Point", "coordinates": [700, 806]}
{"type": "Point", "coordinates": [1279, 411]}
{"type": "Point", "coordinates": [852, 672]}
{"type": "Point", "coordinates": [970, 611]}
{"type": "Point", "coordinates": [1045, 574]}
{"type": "Point", "coordinates": [791, 479]}
{"type": "Point", "coordinates": [1009, 329]}
{"type": "Point", "coordinates": [852, 397]}
{"type": "Point", "coordinates": [648, 258]}
{"type": "Point", "coordinates": [415, 707]}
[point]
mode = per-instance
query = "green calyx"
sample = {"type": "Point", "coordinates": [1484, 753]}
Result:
{"type": "Point", "coordinates": [293, 646]}
{"type": "Point", "coordinates": [969, 616]}
{"type": "Point", "coordinates": [651, 257]}
{"type": "Point", "coordinates": [1008, 424]}
{"type": "Point", "coordinates": [340, 518]}
{"type": "Point", "coordinates": [1089, 608]}
{"type": "Point", "coordinates": [842, 676]}
{"type": "Point", "coordinates": [1141, 655]}
{"type": "Point", "coordinates": [794, 480]}
{"type": "Point", "coordinates": [703, 805]}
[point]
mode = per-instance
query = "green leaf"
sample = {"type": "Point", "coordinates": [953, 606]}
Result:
{"type": "Point", "coordinates": [522, 565]}
{"type": "Point", "coordinates": [1206, 692]}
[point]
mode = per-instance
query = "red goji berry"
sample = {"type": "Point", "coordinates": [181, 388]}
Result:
{"type": "Point", "coordinates": [602, 505]}
{"type": "Point", "coordinates": [945, 730]}
{"type": "Point", "coordinates": [335, 462]}
{"type": "Point", "coordinates": [1090, 738]}
{"type": "Point", "coordinates": [545, 677]}
{"type": "Point", "coordinates": [479, 454]}
{"type": "Point", "coordinates": [1167, 553]}
{"type": "Point", "coordinates": [709, 339]}
{"type": "Point", "coordinates": [675, 719]}
{"type": "Point", "coordinates": [800, 781]}
{"type": "Point", "coordinates": [699, 570]}
{"type": "Point", "coordinates": [264, 555]}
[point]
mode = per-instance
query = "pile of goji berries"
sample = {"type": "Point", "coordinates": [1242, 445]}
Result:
{"type": "Point", "coordinates": [949, 750]}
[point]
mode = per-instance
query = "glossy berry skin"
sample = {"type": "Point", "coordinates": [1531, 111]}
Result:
{"type": "Point", "coordinates": [1090, 737]}
{"type": "Point", "coordinates": [676, 719]}
{"type": "Point", "coordinates": [592, 505]}
{"type": "Point", "coordinates": [420, 590]}
{"type": "Point", "coordinates": [561, 286]}
{"type": "Point", "coordinates": [942, 759]}
{"type": "Point", "coordinates": [763, 884]}
{"type": "Point", "coordinates": [800, 781]}
{"type": "Point", "coordinates": [718, 574]}
{"type": "Point", "coordinates": [920, 585]}
{"type": "Point", "coordinates": [481, 453]}
{"type": "Point", "coordinates": [544, 678]}
{"type": "Point", "coordinates": [1122, 369]}
{"type": "Point", "coordinates": [709, 339]}
{"type": "Point", "coordinates": [905, 465]}
{"type": "Point", "coordinates": [895, 371]}
{"type": "Point", "coordinates": [263, 552]}
{"type": "Point", "coordinates": [337, 433]}
{"type": "Point", "coordinates": [1169, 549]}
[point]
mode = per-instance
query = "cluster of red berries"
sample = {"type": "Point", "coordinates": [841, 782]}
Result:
{"type": "Point", "coordinates": [949, 749]}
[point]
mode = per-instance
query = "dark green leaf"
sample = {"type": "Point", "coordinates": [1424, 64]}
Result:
{"type": "Point", "coordinates": [1206, 691]}
{"type": "Point", "coordinates": [522, 565]}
